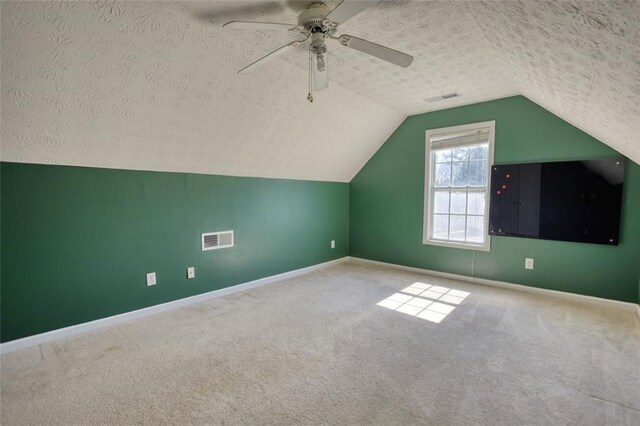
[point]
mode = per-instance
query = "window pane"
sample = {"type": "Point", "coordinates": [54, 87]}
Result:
{"type": "Point", "coordinates": [480, 152]}
{"type": "Point", "coordinates": [476, 202]}
{"type": "Point", "coordinates": [460, 153]}
{"type": "Point", "coordinates": [473, 173]}
{"type": "Point", "coordinates": [458, 202]}
{"type": "Point", "coordinates": [443, 156]}
{"type": "Point", "coordinates": [456, 230]}
{"type": "Point", "coordinates": [483, 172]}
{"type": "Point", "coordinates": [443, 174]}
{"type": "Point", "coordinates": [475, 229]}
{"type": "Point", "coordinates": [460, 174]}
{"type": "Point", "coordinates": [440, 226]}
{"type": "Point", "coordinates": [478, 173]}
{"type": "Point", "coordinates": [441, 201]}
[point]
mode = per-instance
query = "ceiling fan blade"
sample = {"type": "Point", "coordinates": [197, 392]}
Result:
{"type": "Point", "coordinates": [320, 76]}
{"type": "Point", "coordinates": [379, 51]}
{"type": "Point", "coordinates": [218, 14]}
{"type": "Point", "coordinates": [261, 26]}
{"type": "Point", "coordinates": [347, 9]}
{"type": "Point", "coordinates": [269, 56]}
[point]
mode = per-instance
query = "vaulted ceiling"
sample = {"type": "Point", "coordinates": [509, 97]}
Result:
{"type": "Point", "coordinates": [153, 86]}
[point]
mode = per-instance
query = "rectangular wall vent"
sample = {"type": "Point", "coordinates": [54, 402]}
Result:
{"type": "Point", "coordinates": [443, 97]}
{"type": "Point", "coordinates": [217, 240]}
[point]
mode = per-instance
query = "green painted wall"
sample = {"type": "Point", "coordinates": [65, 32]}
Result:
{"type": "Point", "coordinates": [386, 206]}
{"type": "Point", "coordinates": [77, 242]}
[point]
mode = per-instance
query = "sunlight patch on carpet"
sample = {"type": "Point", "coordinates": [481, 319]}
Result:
{"type": "Point", "coordinates": [429, 302]}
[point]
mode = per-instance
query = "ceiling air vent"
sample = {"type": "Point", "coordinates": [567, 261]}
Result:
{"type": "Point", "coordinates": [443, 97]}
{"type": "Point", "coordinates": [217, 240]}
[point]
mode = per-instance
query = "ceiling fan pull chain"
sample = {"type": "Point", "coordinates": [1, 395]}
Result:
{"type": "Point", "coordinates": [310, 95]}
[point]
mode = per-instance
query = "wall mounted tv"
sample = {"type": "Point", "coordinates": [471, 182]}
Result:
{"type": "Point", "coordinates": [568, 200]}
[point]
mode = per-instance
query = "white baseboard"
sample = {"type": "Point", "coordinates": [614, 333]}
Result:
{"type": "Point", "coordinates": [630, 307]}
{"type": "Point", "coordinates": [73, 330]}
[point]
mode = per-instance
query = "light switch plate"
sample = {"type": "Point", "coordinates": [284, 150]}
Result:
{"type": "Point", "coordinates": [191, 272]}
{"type": "Point", "coordinates": [333, 244]}
{"type": "Point", "coordinates": [528, 263]}
{"type": "Point", "coordinates": [151, 278]}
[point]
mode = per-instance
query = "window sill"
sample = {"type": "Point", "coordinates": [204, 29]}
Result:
{"type": "Point", "coordinates": [465, 246]}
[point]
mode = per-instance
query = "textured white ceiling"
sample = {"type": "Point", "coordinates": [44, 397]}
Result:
{"type": "Point", "coordinates": [149, 86]}
{"type": "Point", "coordinates": [578, 59]}
{"type": "Point", "coordinates": [154, 86]}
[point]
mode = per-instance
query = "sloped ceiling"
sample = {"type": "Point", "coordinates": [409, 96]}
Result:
{"type": "Point", "coordinates": [579, 60]}
{"type": "Point", "coordinates": [153, 86]}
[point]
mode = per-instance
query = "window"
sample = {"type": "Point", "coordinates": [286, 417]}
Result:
{"type": "Point", "coordinates": [456, 199]}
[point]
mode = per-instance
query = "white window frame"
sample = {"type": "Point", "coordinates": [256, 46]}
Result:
{"type": "Point", "coordinates": [429, 186]}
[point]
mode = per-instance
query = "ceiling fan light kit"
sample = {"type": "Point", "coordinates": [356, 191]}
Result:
{"type": "Point", "coordinates": [317, 24]}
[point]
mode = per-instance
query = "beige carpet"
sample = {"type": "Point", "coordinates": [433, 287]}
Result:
{"type": "Point", "coordinates": [320, 349]}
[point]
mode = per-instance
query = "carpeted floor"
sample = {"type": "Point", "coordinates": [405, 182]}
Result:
{"type": "Point", "coordinates": [319, 348]}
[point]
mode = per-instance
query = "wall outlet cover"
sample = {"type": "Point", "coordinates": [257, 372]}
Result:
{"type": "Point", "coordinates": [151, 278]}
{"type": "Point", "coordinates": [528, 263]}
{"type": "Point", "coordinates": [333, 244]}
{"type": "Point", "coordinates": [191, 272]}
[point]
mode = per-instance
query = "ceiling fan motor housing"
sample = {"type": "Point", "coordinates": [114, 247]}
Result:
{"type": "Point", "coordinates": [313, 18]}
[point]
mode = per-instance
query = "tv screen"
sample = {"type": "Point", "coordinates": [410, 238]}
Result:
{"type": "Point", "coordinates": [568, 200]}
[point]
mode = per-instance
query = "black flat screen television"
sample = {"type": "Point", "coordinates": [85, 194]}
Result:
{"type": "Point", "coordinates": [576, 201]}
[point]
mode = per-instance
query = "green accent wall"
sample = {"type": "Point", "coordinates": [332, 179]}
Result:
{"type": "Point", "coordinates": [77, 242]}
{"type": "Point", "coordinates": [386, 206]}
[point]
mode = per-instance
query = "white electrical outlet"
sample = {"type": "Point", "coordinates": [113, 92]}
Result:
{"type": "Point", "coordinates": [333, 244]}
{"type": "Point", "coordinates": [191, 272]}
{"type": "Point", "coordinates": [528, 263]}
{"type": "Point", "coordinates": [151, 278]}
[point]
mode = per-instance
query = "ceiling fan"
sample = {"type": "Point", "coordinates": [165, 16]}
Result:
{"type": "Point", "coordinates": [317, 24]}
